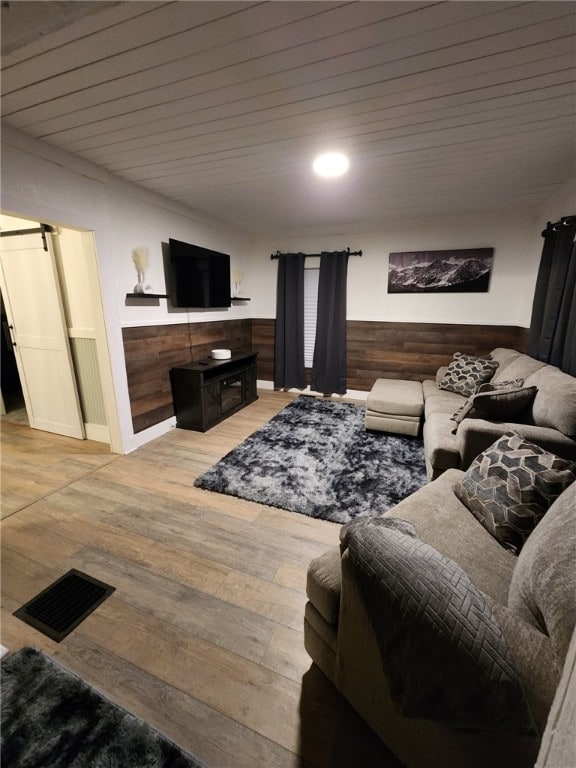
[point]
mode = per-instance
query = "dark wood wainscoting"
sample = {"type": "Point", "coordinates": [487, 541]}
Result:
{"type": "Point", "coordinates": [398, 350]}
{"type": "Point", "coordinates": [263, 343]}
{"type": "Point", "coordinates": [415, 351]}
{"type": "Point", "coordinates": [150, 351]}
{"type": "Point", "coordinates": [375, 350]}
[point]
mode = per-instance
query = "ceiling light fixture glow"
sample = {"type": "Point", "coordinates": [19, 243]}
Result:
{"type": "Point", "coordinates": [331, 164]}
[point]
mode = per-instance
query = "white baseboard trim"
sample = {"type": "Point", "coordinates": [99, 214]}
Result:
{"type": "Point", "coordinates": [157, 430]}
{"type": "Point", "coordinates": [351, 394]}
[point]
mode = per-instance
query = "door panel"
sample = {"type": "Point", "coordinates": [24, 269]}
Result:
{"type": "Point", "coordinates": [34, 308]}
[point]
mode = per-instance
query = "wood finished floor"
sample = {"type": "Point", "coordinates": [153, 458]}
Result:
{"type": "Point", "coordinates": [203, 636]}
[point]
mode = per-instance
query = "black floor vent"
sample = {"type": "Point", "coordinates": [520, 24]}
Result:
{"type": "Point", "coordinates": [59, 608]}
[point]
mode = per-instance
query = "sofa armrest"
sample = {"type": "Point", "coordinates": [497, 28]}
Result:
{"type": "Point", "coordinates": [475, 435]}
{"type": "Point", "coordinates": [360, 677]}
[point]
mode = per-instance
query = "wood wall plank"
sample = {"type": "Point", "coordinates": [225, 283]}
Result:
{"type": "Point", "coordinates": [411, 351]}
{"type": "Point", "coordinates": [150, 351]}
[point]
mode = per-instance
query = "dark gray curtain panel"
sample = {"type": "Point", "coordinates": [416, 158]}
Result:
{"type": "Point", "coordinates": [552, 336]}
{"type": "Point", "coordinates": [329, 362]}
{"type": "Point", "coordinates": [289, 337]}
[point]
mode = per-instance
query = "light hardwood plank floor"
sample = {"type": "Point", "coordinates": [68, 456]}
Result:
{"type": "Point", "coordinates": [203, 637]}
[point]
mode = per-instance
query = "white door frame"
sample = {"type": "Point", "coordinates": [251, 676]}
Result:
{"type": "Point", "coordinates": [102, 347]}
{"type": "Point", "coordinates": [35, 311]}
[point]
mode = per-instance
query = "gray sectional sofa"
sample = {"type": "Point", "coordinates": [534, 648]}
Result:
{"type": "Point", "coordinates": [532, 597]}
{"type": "Point", "coordinates": [550, 421]}
{"type": "Point", "coordinates": [529, 592]}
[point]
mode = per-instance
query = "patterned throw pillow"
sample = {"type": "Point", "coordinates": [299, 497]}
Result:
{"type": "Point", "coordinates": [497, 405]}
{"type": "Point", "coordinates": [492, 386]}
{"type": "Point", "coordinates": [510, 486]}
{"type": "Point", "coordinates": [466, 373]}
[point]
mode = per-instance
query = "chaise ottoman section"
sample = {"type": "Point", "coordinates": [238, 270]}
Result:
{"type": "Point", "coordinates": [394, 405]}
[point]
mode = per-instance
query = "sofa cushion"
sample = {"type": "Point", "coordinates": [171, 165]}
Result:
{"type": "Point", "coordinates": [555, 402]}
{"type": "Point", "coordinates": [504, 356]}
{"type": "Point", "coordinates": [396, 397]}
{"type": "Point", "coordinates": [543, 585]}
{"type": "Point", "coordinates": [520, 368]}
{"type": "Point", "coordinates": [324, 583]}
{"type": "Point", "coordinates": [510, 486]}
{"type": "Point", "coordinates": [440, 448]}
{"type": "Point", "coordinates": [502, 404]}
{"type": "Point", "coordinates": [466, 372]}
{"type": "Point", "coordinates": [493, 386]}
{"type": "Point", "coordinates": [439, 400]}
{"type": "Point", "coordinates": [443, 521]}
{"type": "Point", "coordinates": [476, 435]}
{"type": "Point", "coordinates": [328, 633]}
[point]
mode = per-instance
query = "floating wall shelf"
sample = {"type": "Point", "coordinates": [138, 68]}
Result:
{"type": "Point", "coordinates": [239, 298]}
{"type": "Point", "coordinates": [146, 295]}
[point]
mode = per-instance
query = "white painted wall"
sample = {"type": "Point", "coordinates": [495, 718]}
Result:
{"type": "Point", "coordinates": [516, 256]}
{"type": "Point", "coordinates": [48, 185]}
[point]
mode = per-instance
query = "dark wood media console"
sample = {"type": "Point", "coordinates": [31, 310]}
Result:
{"type": "Point", "coordinates": [208, 391]}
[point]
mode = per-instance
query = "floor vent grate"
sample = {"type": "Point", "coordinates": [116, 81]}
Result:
{"type": "Point", "coordinates": [59, 608]}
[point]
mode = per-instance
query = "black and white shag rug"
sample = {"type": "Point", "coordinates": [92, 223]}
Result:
{"type": "Point", "coordinates": [315, 457]}
{"type": "Point", "coordinates": [53, 719]}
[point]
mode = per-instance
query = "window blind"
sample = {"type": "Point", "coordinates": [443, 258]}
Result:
{"type": "Point", "coordinates": [311, 276]}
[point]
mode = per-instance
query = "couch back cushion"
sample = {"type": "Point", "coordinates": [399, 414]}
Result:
{"type": "Point", "coordinates": [519, 367]}
{"type": "Point", "coordinates": [543, 586]}
{"type": "Point", "coordinates": [504, 356]}
{"type": "Point", "coordinates": [555, 401]}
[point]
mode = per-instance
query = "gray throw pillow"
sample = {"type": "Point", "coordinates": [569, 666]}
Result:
{"type": "Point", "coordinates": [492, 386]}
{"type": "Point", "coordinates": [466, 373]}
{"type": "Point", "coordinates": [510, 486]}
{"type": "Point", "coordinates": [505, 404]}
{"type": "Point", "coordinates": [496, 405]}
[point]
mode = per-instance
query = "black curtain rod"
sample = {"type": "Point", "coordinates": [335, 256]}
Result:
{"type": "Point", "coordinates": [565, 220]}
{"type": "Point", "coordinates": [310, 255]}
{"type": "Point", "coordinates": [41, 230]}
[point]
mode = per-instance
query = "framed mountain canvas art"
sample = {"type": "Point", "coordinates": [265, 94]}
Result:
{"type": "Point", "coordinates": [461, 271]}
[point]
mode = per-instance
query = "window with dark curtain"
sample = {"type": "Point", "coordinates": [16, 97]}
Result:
{"type": "Point", "coordinates": [552, 335]}
{"type": "Point", "coordinates": [289, 335]}
{"type": "Point", "coordinates": [329, 365]}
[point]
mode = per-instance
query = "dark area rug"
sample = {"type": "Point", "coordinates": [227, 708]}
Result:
{"type": "Point", "coordinates": [315, 457]}
{"type": "Point", "coordinates": [53, 719]}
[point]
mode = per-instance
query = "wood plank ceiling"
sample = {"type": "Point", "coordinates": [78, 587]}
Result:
{"type": "Point", "coordinates": [441, 106]}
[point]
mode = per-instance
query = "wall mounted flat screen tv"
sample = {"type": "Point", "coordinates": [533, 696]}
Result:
{"type": "Point", "coordinates": [199, 276]}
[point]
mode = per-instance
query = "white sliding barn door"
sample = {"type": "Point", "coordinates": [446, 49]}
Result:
{"type": "Point", "coordinates": [31, 290]}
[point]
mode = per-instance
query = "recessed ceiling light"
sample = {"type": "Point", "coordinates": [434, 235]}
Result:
{"type": "Point", "coordinates": [331, 164]}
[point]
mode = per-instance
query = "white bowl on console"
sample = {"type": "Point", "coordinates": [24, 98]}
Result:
{"type": "Point", "coordinates": [221, 354]}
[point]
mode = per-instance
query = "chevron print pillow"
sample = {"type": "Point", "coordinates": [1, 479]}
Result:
{"type": "Point", "coordinates": [510, 486]}
{"type": "Point", "coordinates": [466, 373]}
